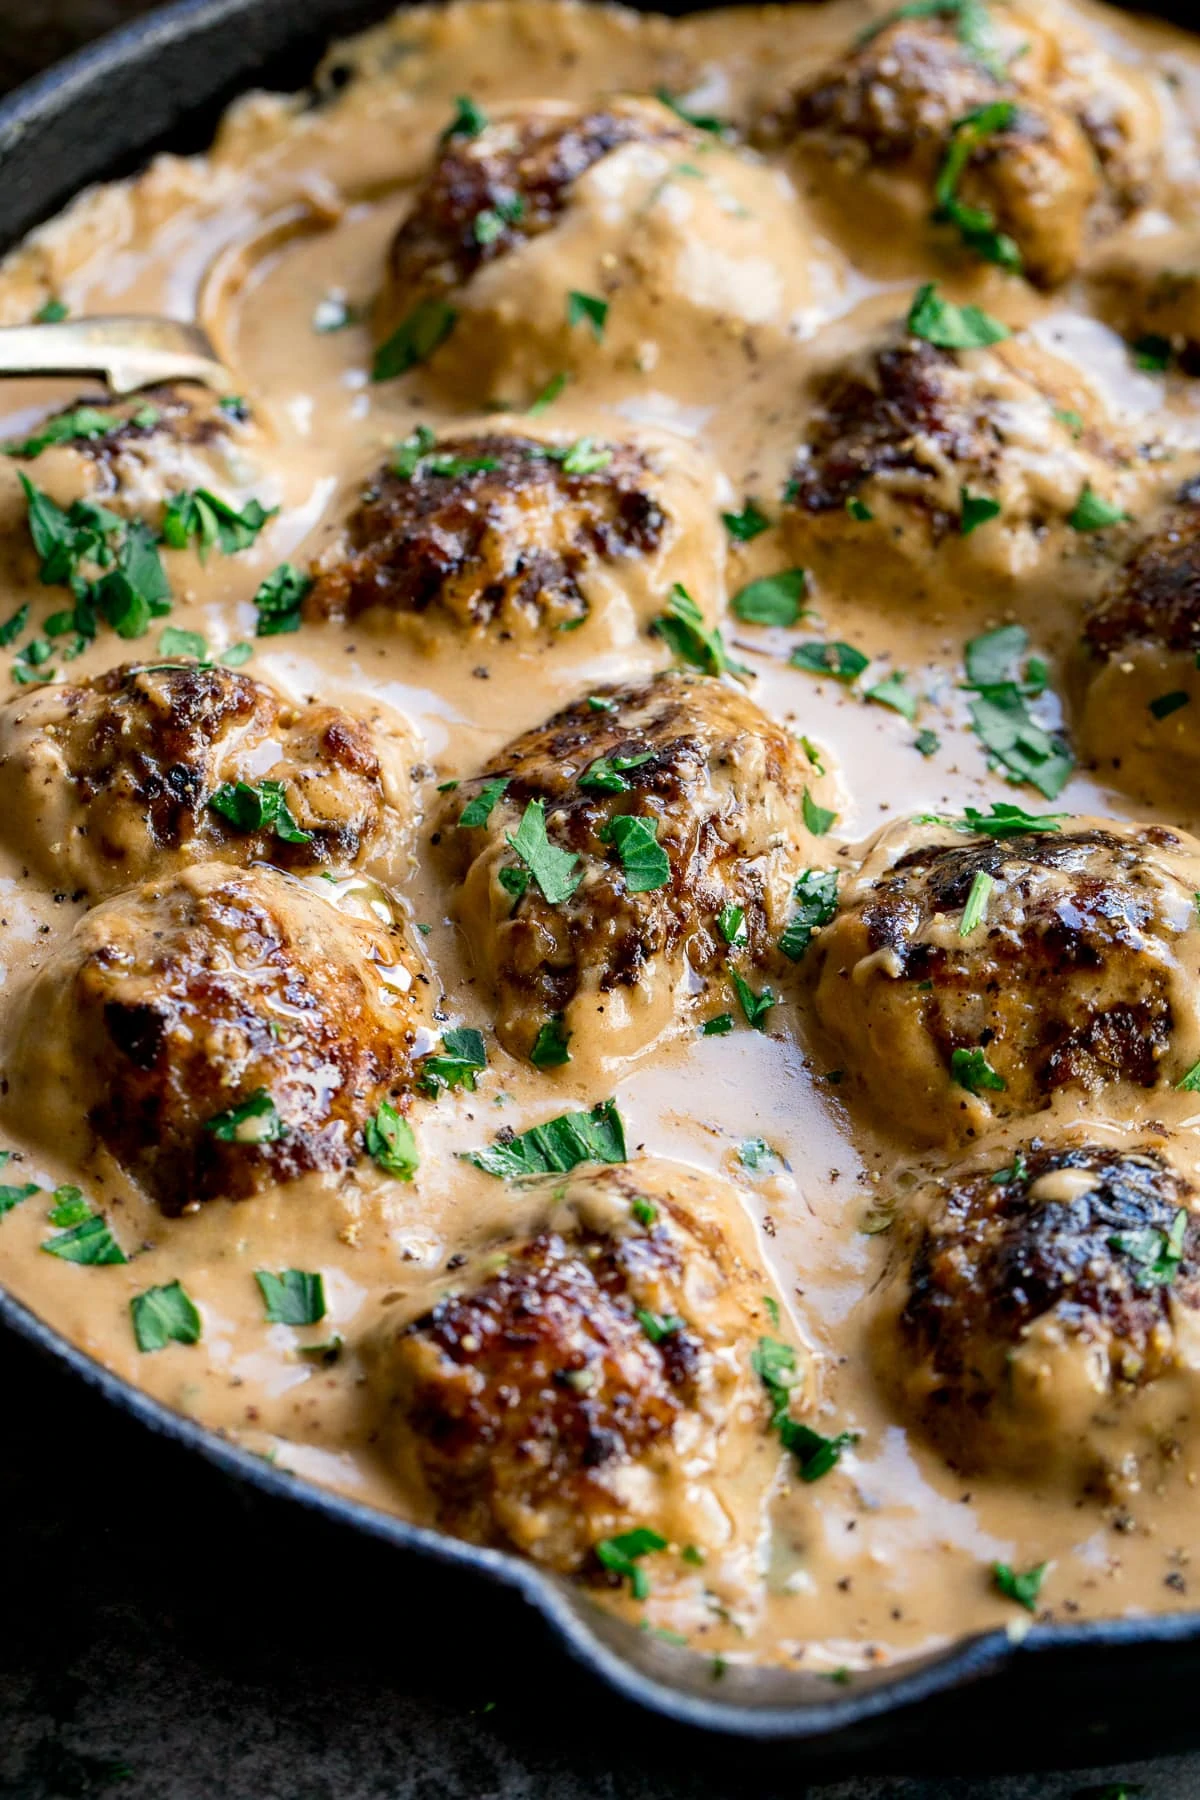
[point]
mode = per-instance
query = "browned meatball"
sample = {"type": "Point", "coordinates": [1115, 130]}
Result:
{"type": "Point", "coordinates": [498, 532]}
{"type": "Point", "coordinates": [1038, 1303]}
{"type": "Point", "coordinates": [1141, 711]}
{"type": "Point", "coordinates": [1075, 151]}
{"type": "Point", "coordinates": [589, 1378]}
{"type": "Point", "coordinates": [1080, 969]}
{"type": "Point", "coordinates": [704, 792]}
{"type": "Point", "coordinates": [113, 778]}
{"type": "Point", "coordinates": [219, 1032]}
{"type": "Point", "coordinates": [1149, 291]}
{"type": "Point", "coordinates": [509, 183]}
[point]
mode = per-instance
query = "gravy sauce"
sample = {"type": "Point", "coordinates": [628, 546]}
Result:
{"type": "Point", "coordinates": [752, 277]}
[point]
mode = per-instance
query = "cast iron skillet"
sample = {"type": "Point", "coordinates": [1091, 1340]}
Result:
{"type": "Point", "coordinates": [162, 82]}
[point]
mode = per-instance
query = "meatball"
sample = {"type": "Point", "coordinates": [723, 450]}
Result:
{"type": "Point", "coordinates": [662, 806]}
{"type": "Point", "coordinates": [123, 775]}
{"type": "Point", "coordinates": [1149, 291]}
{"type": "Point", "coordinates": [905, 431]}
{"type": "Point", "coordinates": [1071, 148]}
{"type": "Point", "coordinates": [591, 1377]}
{"type": "Point", "coordinates": [966, 978]}
{"type": "Point", "coordinates": [133, 454]}
{"type": "Point", "coordinates": [1141, 640]}
{"type": "Point", "coordinates": [1042, 1321]}
{"type": "Point", "coordinates": [566, 238]}
{"type": "Point", "coordinates": [219, 1031]}
{"type": "Point", "coordinates": [509, 535]}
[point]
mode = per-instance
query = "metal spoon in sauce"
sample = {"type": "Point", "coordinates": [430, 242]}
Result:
{"type": "Point", "coordinates": [126, 351]}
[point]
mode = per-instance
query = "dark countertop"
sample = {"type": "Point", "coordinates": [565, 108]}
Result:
{"type": "Point", "coordinates": [163, 1637]}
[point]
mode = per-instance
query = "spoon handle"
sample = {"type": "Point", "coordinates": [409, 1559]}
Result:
{"type": "Point", "coordinates": [126, 352]}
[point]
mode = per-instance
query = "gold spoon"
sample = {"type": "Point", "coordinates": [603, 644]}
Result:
{"type": "Point", "coordinates": [127, 351]}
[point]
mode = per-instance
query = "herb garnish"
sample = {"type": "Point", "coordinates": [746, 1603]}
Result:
{"type": "Point", "coordinates": [1152, 353]}
{"type": "Point", "coordinates": [977, 900]}
{"type": "Point", "coordinates": [972, 1070]}
{"type": "Point", "coordinates": [51, 312]}
{"type": "Point", "coordinates": [976, 225]}
{"type": "Point", "coordinates": [1156, 1255]}
{"type": "Point", "coordinates": [456, 1064]}
{"type": "Point", "coordinates": [621, 1556]}
{"type": "Point", "coordinates": [414, 340]}
{"type": "Point", "coordinates": [124, 581]}
{"type": "Point", "coordinates": [1004, 820]}
{"type": "Point", "coordinates": [755, 1007]}
{"type": "Point", "coordinates": [1000, 713]}
{"type": "Point", "coordinates": [977, 509]}
{"type": "Point", "coordinates": [927, 742]}
{"type": "Point", "coordinates": [774, 1362]}
{"type": "Point", "coordinates": [698, 121]}
{"type": "Point", "coordinates": [68, 427]}
{"type": "Point", "coordinates": [292, 1297]}
{"type": "Point", "coordinates": [952, 327]}
{"type": "Point", "coordinates": [488, 225]}
{"type": "Point", "coordinates": [858, 509]}
{"type": "Point", "coordinates": [815, 894]}
{"type": "Point", "coordinates": [1092, 512]}
{"type": "Point", "coordinates": [279, 600]}
{"type": "Point", "coordinates": [255, 1121]}
{"type": "Point", "coordinates": [720, 1026]}
{"type": "Point", "coordinates": [202, 515]}
{"type": "Point", "coordinates": [731, 923]}
{"type": "Point", "coordinates": [642, 857]}
{"type": "Point", "coordinates": [1024, 1589]}
{"type": "Point", "coordinates": [772, 599]}
{"type": "Point", "coordinates": [551, 1045]}
{"type": "Point", "coordinates": [691, 639]}
{"type": "Point", "coordinates": [390, 1143]}
{"type": "Point", "coordinates": [164, 1315]}
{"type": "Point", "coordinates": [478, 810]}
{"type": "Point", "coordinates": [468, 121]}
{"type": "Point", "coordinates": [746, 525]}
{"type": "Point", "coordinates": [607, 774]}
{"type": "Point", "coordinates": [817, 819]}
{"type": "Point", "coordinates": [658, 1326]}
{"type": "Point", "coordinates": [974, 28]}
{"type": "Point", "coordinates": [892, 692]}
{"type": "Point", "coordinates": [554, 870]}
{"type": "Point", "coordinates": [261, 808]}
{"type": "Point", "coordinates": [843, 661]}
{"type": "Point", "coordinates": [1166, 704]}
{"type": "Point", "coordinates": [548, 395]}
{"type": "Point", "coordinates": [589, 307]}
{"type": "Point", "coordinates": [558, 1145]}
{"type": "Point", "coordinates": [91, 1243]}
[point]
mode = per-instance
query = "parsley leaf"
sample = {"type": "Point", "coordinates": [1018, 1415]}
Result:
{"type": "Point", "coordinates": [1002, 821]}
{"type": "Point", "coordinates": [755, 1007]}
{"type": "Point", "coordinates": [818, 819]}
{"type": "Point", "coordinates": [279, 600]}
{"type": "Point", "coordinates": [164, 1315]}
{"type": "Point", "coordinates": [621, 1556]}
{"type": "Point", "coordinates": [642, 856]}
{"type": "Point", "coordinates": [488, 226]}
{"type": "Point", "coordinates": [255, 1121]}
{"type": "Point", "coordinates": [556, 1146]}
{"type": "Point", "coordinates": [976, 908]}
{"type": "Point", "coordinates": [174, 642]}
{"type": "Point", "coordinates": [14, 625]}
{"type": "Point", "coordinates": [892, 692]}
{"type": "Point", "coordinates": [690, 639]}
{"type": "Point", "coordinates": [462, 1055]}
{"type": "Point", "coordinates": [858, 509]}
{"type": "Point", "coordinates": [468, 121]}
{"type": "Point", "coordinates": [589, 307]}
{"type": "Point", "coordinates": [1001, 716]}
{"type": "Point", "coordinates": [1093, 513]}
{"type": "Point", "coordinates": [698, 121]}
{"type": "Point", "coordinates": [549, 394]}
{"type": "Point", "coordinates": [67, 427]}
{"type": "Point", "coordinates": [553, 869]}
{"type": "Point", "coordinates": [977, 509]}
{"type": "Point", "coordinates": [772, 600]}
{"type": "Point", "coordinates": [12, 1195]}
{"type": "Point", "coordinates": [952, 327]}
{"type": "Point", "coordinates": [414, 340]}
{"type": "Point", "coordinates": [91, 1243]}
{"type": "Point", "coordinates": [262, 808]}
{"type": "Point", "coordinates": [607, 774]}
{"type": "Point", "coordinates": [927, 742]}
{"type": "Point", "coordinates": [731, 923]}
{"type": "Point", "coordinates": [815, 894]}
{"type": "Point", "coordinates": [1157, 1255]}
{"type": "Point", "coordinates": [1165, 704]}
{"type": "Point", "coordinates": [720, 1026]}
{"type": "Point", "coordinates": [202, 515]}
{"type": "Point", "coordinates": [51, 312]}
{"type": "Point", "coordinates": [658, 1326]}
{"type": "Point", "coordinates": [292, 1297]}
{"type": "Point", "coordinates": [972, 1070]}
{"type": "Point", "coordinates": [840, 660]}
{"type": "Point", "coordinates": [976, 225]}
{"type": "Point", "coordinates": [1024, 1589]}
{"type": "Point", "coordinates": [746, 525]}
{"type": "Point", "coordinates": [550, 1047]}
{"type": "Point", "coordinates": [478, 809]}
{"type": "Point", "coordinates": [774, 1362]}
{"type": "Point", "coordinates": [390, 1142]}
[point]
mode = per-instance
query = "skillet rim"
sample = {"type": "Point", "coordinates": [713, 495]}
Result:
{"type": "Point", "coordinates": [297, 31]}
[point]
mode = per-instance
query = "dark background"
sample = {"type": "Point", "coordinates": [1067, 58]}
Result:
{"type": "Point", "coordinates": [163, 1636]}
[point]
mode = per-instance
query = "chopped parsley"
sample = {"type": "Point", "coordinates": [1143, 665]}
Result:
{"type": "Point", "coordinates": [1092, 512]}
{"type": "Point", "coordinates": [644, 1211]}
{"type": "Point", "coordinates": [974, 28]}
{"type": "Point", "coordinates": [976, 908]}
{"type": "Point", "coordinates": [111, 565]}
{"type": "Point", "coordinates": [658, 1326]}
{"type": "Point", "coordinates": [817, 819]}
{"type": "Point", "coordinates": [731, 923]}
{"type": "Point", "coordinates": [690, 638]}
{"type": "Point", "coordinates": [1190, 1084]}
{"type": "Point", "coordinates": [698, 121]}
{"type": "Point", "coordinates": [622, 1555]}
{"type": "Point", "coordinates": [468, 121]}
{"type": "Point", "coordinates": [746, 525]}
{"type": "Point", "coordinates": [261, 808]}
{"type": "Point", "coordinates": [976, 225]}
{"type": "Point", "coordinates": [892, 692]}
{"type": "Point", "coordinates": [164, 1315]}
{"type": "Point", "coordinates": [972, 1070]}
{"type": "Point", "coordinates": [79, 423]}
{"type": "Point", "coordinates": [952, 327]}
{"type": "Point", "coordinates": [558, 1145]}
{"type": "Point", "coordinates": [12, 1194]}
{"type": "Point", "coordinates": [755, 1007]}
{"type": "Point", "coordinates": [279, 599]}
{"type": "Point", "coordinates": [489, 225]}
{"type": "Point", "coordinates": [414, 456]}
{"type": "Point", "coordinates": [51, 312]}
{"type": "Point", "coordinates": [70, 1207]}
{"type": "Point", "coordinates": [720, 1026]}
{"type": "Point", "coordinates": [292, 1297]}
{"type": "Point", "coordinates": [1152, 353]}
{"type": "Point", "coordinates": [14, 625]}
{"type": "Point", "coordinates": [858, 509]}
{"type": "Point", "coordinates": [554, 870]}
{"type": "Point", "coordinates": [1166, 704]}
{"type": "Point", "coordinates": [1000, 713]}
{"type": "Point", "coordinates": [977, 509]}
{"type": "Point", "coordinates": [549, 394]}
{"type": "Point", "coordinates": [607, 774]}
{"type": "Point", "coordinates": [757, 1154]}
{"type": "Point", "coordinates": [414, 340]}
{"type": "Point", "coordinates": [927, 742]}
{"type": "Point", "coordinates": [478, 810]}
{"type": "Point", "coordinates": [174, 642]}
{"type": "Point", "coordinates": [90, 1243]}
{"type": "Point", "coordinates": [1156, 1255]}
{"type": "Point", "coordinates": [202, 516]}
{"type": "Point", "coordinates": [1004, 820]}
{"type": "Point", "coordinates": [771, 600]}
{"type": "Point", "coordinates": [815, 894]}
{"type": "Point", "coordinates": [390, 1143]}
{"type": "Point", "coordinates": [643, 858]}
{"type": "Point", "coordinates": [455, 1065]}
{"type": "Point", "coordinates": [1024, 1589]}
{"type": "Point", "coordinates": [551, 1046]}
{"type": "Point", "coordinates": [774, 1362]}
{"type": "Point", "coordinates": [255, 1121]}
{"type": "Point", "coordinates": [843, 661]}
{"type": "Point", "coordinates": [589, 308]}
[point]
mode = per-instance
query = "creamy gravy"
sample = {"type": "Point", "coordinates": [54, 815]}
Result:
{"type": "Point", "coordinates": [890, 1553]}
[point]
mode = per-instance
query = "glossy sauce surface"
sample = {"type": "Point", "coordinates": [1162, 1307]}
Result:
{"type": "Point", "coordinates": [726, 290]}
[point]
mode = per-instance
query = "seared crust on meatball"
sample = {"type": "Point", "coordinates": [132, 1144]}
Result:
{"type": "Point", "coordinates": [1155, 596]}
{"type": "Point", "coordinates": [113, 778]}
{"type": "Point", "coordinates": [1039, 1298]}
{"type": "Point", "coordinates": [718, 784]}
{"type": "Point", "coordinates": [497, 531]}
{"type": "Point", "coordinates": [179, 1005]}
{"type": "Point", "coordinates": [509, 183]}
{"type": "Point", "coordinates": [908, 426]}
{"type": "Point", "coordinates": [1070, 157]}
{"type": "Point", "coordinates": [587, 1378]}
{"type": "Point", "coordinates": [1081, 972]}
